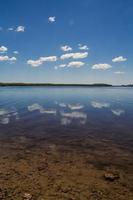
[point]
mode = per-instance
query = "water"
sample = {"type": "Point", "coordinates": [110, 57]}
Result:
{"type": "Point", "coordinates": [62, 132]}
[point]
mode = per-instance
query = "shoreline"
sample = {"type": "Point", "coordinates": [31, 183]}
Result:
{"type": "Point", "coordinates": [60, 85]}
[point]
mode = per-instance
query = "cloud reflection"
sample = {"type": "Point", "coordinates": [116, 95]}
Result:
{"type": "Point", "coordinates": [42, 110]}
{"type": "Point", "coordinates": [77, 106]}
{"type": "Point", "coordinates": [117, 112]}
{"type": "Point", "coordinates": [96, 104]}
{"type": "Point", "coordinates": [68, 117]}
{"type": "Point", "coordinates": [6, 114]}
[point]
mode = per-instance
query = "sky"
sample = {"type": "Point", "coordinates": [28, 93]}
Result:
{"type": "Point", "coordinates": [66, 41]}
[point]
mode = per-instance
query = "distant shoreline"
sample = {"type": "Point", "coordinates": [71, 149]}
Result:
{"type": "Point", "coordinates": [54, 84]}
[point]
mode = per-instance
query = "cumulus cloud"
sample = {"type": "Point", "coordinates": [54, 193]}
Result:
{"type": "Point", "coordinates": [100, 105]}
{"type": "Point", "coordinates": [3, 49]}
{"type": "Point", "coordinates": [76, 64]}
{"type": "Point", "coordinates": [10, 29]}
{"type": "Point", "coordinates": [74, 55]}
{"type": "Point", "coordinates": [48, 59]}
{"type": "Point", "coordinates": [61, 66]}
{"type": "Point", "coordinates": [83, 47]}
{"type": "Point", "coordinates": [6, 58]}
{"type": "Point", "coordinates": [119, 72]}
{"type": "Point", "coordinates": [20, 29]}
{"type": "Point", "coordinates": [13, 59]}
{"type": "Point", "coordinates": [119, 59]}
{"type": "Point", "coordinates": [42, 110]}
{"type": "Point", "coordinates": [15, 52]}
{"type": "Point", "coordinates": [34, 63]}
{"type": "Point", "coordinates": [103, 66]}
{"type": "Point", "coordinates": [66, 48]}
{"type": "Point", "coordinates": [118, 112]}
{"type": "Point", "coordinates": [51, 19]}
{"type": "Point", "coordinates": [41, 60]}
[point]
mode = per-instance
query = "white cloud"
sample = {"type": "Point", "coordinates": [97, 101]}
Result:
{"type": "Point", "coordinates": [41, 60]}
{"type": "Point", "coordinates": [117, 112]}
{"type": "Point", "coordinates": [20, 29]}
{"type": "Point", "coordinates": [15, 52]}
{"type": "Point", "coordinates": [66, 56]}
{"type": "Point", "coordinates": [119, 72]}
{"type": "Point", "coordinates": [12, 59]}
{"type": "Point", "coordinates": [66, 48]}
{"type": "Point", "coordinates": [34, 63]}
{"type": "Point", "coordinates": [76, 64]}
{"type": "Point", "coordinates": [100, 105]}
{"type": "Point", "coordinates": [3, 49]}
{"type": "Point", "coordinates": [6, 58]}
{"type": "Point", "coordinates": [103, 66]}
{"type": "Point", "coordinates": [10, 29]}
{"type": "Point", "coordinates": [1, 29]}
{"type": "Point", "coordinates": [48, 59]}
{"type": "Point", "coordinates": [119, 59]}
{"type": "Point", "coordinates": [60, 66]}
{"type": "Point", "coordinates": [56, 67]}
{"type": "Point", "coordinates": [74, 55]}
{"type": "Point", "coordinates": [83, 47]}
{"type": "Point", "coordinates": [51, 19]}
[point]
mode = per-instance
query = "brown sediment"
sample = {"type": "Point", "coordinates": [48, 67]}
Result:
{"type": "Point", "coordinates": [65, 167]}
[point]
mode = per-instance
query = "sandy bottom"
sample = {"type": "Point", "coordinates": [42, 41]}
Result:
{"type": "Point", "coordinates": [64, 168]}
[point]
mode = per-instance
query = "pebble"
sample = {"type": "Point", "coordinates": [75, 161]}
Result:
{"type": "Point", "coordinates": [111, 176]}
{"type": "Point", "coordinates": [27, 196]}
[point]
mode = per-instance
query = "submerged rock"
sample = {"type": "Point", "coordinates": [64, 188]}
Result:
{"type": "Point", "coordinates": [27, 196]}
{"type": "Point", "coordinates": [111, 176]}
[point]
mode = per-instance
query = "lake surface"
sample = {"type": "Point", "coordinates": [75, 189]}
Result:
{"type": "Point", "coordinates": [61, 142]}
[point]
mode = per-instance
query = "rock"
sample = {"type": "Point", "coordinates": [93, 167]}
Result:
{"type": "Point", "coordinates": [111, 176]}
{"type": "Point", "coordinates": [27, 196]}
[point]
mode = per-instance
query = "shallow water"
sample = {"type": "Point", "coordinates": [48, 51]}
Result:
{"type": "Point", "coordinates": [58, 142]}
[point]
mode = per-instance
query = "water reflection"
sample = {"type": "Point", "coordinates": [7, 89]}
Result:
{"type": "Point", "coordinates": [64, 104]}
{"type": "Point", "coordinates": [42, 110]}
{"type": "Point", "coordinates": [118, 112]}
{"type": "Point", "coordinates": [50, 134]}
{"type": "Point", "coordinates": [96, 104]}
{"type": "Point", "coordinates": [7, 114]}
{"type": "Point", "coordinates": [77, 106]}
{"type": "Point", "coordinates": [69, 117]}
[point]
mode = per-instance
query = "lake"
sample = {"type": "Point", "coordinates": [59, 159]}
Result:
{"type": "Point", "coordinates": [71, 143]}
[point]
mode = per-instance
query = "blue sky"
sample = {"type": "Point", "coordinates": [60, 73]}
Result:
{"type": "Point", "coordinates": [71, 41]}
